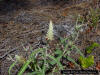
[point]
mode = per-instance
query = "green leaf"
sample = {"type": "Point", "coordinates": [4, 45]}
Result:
{"type": "Point", "coordinates": [86, 62]}
{"type": "Point", "coordinates": [51, 62]}
{"type": "Point", "coordinates": [35, 52]}
{"type": "Point", "coordinates": [58, 51]}
{"type": "Point", "coordinates": [24, 67]}
{"type": "Point", "coordinates": [72, 60]}
{"type": "Point", "coordinates": [12, 65]}
{"type": "Point", "coordinates": [91, 47]}
{"type": "Point", "coordinates": [34, 73]}
{"type": "Point", "coordinates": [89, 51]}
{"type": "Point", "coordinates": [95, 45]}
{"type": "Point", "coordinates": [78, 50]}
{"type": "Point", "coordinates": [57, 61]}
{"type": "Point", "coordinates": [63, 41]}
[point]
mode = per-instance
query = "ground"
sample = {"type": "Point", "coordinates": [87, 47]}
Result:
{"type": "Point", "coordinates": [25, 22]}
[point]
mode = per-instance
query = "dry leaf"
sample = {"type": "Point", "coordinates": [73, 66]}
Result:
{"type": "Point", "coordinates": [98, 65]}
{"type": "Point", "coordinates": [71, 65]}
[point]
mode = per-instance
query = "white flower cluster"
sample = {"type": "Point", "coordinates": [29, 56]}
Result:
{"type": "Point", "coordinates": [50, 35]}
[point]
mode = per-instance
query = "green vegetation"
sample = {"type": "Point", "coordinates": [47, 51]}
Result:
{"type": "Point", "coordinates": [86, 62]}
{"type": "Point", "coordinates": [44, 59]}
{"type": "Point", "coordinates": [91, 47]}
{"type": "Point", "coordinates": [91, 19]}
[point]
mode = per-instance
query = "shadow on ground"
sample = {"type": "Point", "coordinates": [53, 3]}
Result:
{"type": "Point", "coordinates": [11, 5]}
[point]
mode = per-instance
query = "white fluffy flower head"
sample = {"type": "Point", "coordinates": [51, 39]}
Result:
{"type": "Point", "coordinates": [50, 35]}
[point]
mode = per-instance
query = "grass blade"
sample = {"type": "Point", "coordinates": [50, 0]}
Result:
{"type": "Point", "coordinates": [58, 62]}
{"type": "Point", "coordinates": [70, 59]}
{"type": "Point", "coordinates": [24, 67]}
{"type": "Point", "coordinates": [12, 65]}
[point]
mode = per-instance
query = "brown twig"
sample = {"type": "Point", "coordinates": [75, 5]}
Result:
{"type": "Point", "coordinates": [10, 51]}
